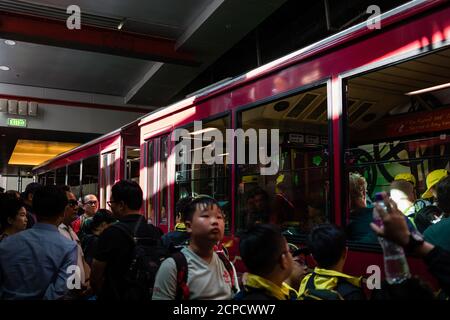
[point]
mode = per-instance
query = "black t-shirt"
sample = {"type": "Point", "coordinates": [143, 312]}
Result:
{"type": "Point", "coordinates": [115, 247]}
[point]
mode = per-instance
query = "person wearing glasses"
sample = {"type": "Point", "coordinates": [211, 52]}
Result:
{"type": "Point", "coordinates": [113, 256]}
{"type": "Point", "coordinates": [65, 228]}
{"type": "Point", "coordinates": [90, 207]}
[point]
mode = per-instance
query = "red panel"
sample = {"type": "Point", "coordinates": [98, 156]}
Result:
{"type": "Point", "coordinates": [361, 260]}
{"type": "Point", "coordinates": [55, 33]}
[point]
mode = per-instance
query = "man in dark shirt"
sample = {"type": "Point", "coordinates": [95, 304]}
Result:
{"type": "Point", "coordinates": [114, 249]}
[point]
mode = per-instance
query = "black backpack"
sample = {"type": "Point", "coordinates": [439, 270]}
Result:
{"type": "Point", "coordinates": [146, 257]}
{"type": "Point", "coordinates": [342, 289]}
{"type": "Point", "coordinates": [425, 216]}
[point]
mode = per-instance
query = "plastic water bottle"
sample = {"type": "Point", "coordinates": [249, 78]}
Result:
{"type": "Point", "coordinates": [395, 264]}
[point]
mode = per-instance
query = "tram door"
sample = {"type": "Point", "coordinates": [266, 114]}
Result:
{"type": "Point", "coordinates": [157, 181]}
{"type": "Point", "coordinates": [108, 176]}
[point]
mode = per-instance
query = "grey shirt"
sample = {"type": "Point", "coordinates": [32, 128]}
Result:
{"type": "Point", "coordinates": [206, 281]}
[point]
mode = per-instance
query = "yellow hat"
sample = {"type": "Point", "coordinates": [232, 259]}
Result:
{"type": "Point", "coordinates": [406, 176]}
{"type": "Point", "coordinates": [432, 179]}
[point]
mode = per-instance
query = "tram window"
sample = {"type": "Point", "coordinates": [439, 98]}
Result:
{"type": "Point", "coordinates": [398, 122]}
{"type": "Point", "coordinates": [89, 180]}
{"type": "Point", "coordinates": [295, 197]}
{"type": "Point", "coordinates": [49, 178]}
{"type": "Point", "coordinates": [150, 181]}
{"type": "Point", "coordinates": [73, 174]}
{"type": "Point", "coordinates": [132, 164]}
{"type": "Point", "coordinates": [61, 176]}
{"type": "Point", "coordinates": [163, 182]}
{"type": "Point", "coordinates": [108, 177]}
{"type": "Point", "coordinates": [205, 179]}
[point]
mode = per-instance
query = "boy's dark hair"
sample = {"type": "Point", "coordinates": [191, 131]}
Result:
{"type": "Point", "coordinates": [9, 208]}
{"type": "Point", "coordinates": [188, 206]}
{"type": "Point", "coordinates": [260, 247]}
{"type": "Point", "coordinates": [102, 215]}
{"type": "Point", "coordinates": [327, 243]}
{"type": "Point", "coordinates": [129, 192]}
{"type": "Point", "coordinates": [49, 201]}
{"type": "Point", "coordinates": [31, 188]}
{"type": "Point", "coordinates": [65, 188]}
{"type": "Point", "coordinates": [258, 191]}
{"type": "Point", "coordinates": [443, 195]}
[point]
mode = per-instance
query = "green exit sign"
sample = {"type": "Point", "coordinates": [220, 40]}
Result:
{"type": "Point", "coordinates": [15, 122]}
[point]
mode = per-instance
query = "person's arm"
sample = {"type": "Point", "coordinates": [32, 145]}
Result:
{"type": "Point", "coordinates": [59, 287]}
{"type": "Point", "coordinates": [97, 275]}
{"type": "Point", "coordinates": [105, 249]}
{"type": "Point", "coordinates": [396, 230]}
{"type": "Point", "coordinates": [165, 287]}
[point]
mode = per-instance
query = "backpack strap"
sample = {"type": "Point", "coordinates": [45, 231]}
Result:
{"type": "Point", "coordinates": [310, 283]}
{"type": "Point", "coordinates": [229, 267]}
{"type": "Point", "coordinates": [344, 288]}
{"type": "Point", "coordinates": [182, 292]}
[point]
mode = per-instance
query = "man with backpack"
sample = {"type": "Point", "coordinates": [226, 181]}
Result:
{"type": "Point", "coordinates": [327, 244]}
{"type": "Point", "coordinates": [198, 271]}
{"type": "Point", "coordinates": [129, 252]}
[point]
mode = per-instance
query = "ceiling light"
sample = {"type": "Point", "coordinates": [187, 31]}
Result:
{"type": "Point", "coordinates": [4, 68]}
{"type": "Point", "coordinates": [435, 88]}
{"type": "Point", "coordinates": [10, 42]}
{"type": "Point", "coordinates": [120, 26]}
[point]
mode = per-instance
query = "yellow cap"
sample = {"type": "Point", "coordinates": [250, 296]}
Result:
{"type": "Point", "coordinates": [280, 179]}
{"type": "Point", "coordinates": [406, 176]}
{"type": "Point", "coordinates": [432, 179]}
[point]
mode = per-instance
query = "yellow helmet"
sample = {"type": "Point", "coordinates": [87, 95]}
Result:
{"type": "Point", "coordinates": [406, 176]}
{"type": "Point", "coordinates": [432, 179]}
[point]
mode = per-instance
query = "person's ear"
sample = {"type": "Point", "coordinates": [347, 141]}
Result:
{"type": "Point", "coordinates": [188, 225]}
{"type": "Point", "coordinates": [284, 261]}
{"type": "Point", "coordinates": [10, 221]}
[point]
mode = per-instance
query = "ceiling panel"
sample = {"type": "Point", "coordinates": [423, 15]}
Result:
{"type": "Point", "coordinates": [59, 68]}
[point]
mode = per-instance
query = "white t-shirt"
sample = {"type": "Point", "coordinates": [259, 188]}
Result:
{"type": "Point", "coordinates": [205, 281]}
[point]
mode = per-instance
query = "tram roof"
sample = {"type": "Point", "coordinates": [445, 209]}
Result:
{"type": "Point", "coordinates": [392, 16]}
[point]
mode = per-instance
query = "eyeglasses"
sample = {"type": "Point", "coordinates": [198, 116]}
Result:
{"type": "Point", "coordinates": [91, 203]}
{"type": "Point", "coordinates": [109, 202]}
{"type": "Point", "coordinates": [72, 203]}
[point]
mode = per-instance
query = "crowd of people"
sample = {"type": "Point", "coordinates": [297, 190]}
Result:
{"type": "Point", "coordinates": [53, 246]}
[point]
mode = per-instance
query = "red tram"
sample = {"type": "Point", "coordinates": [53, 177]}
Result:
{"type": "Point", "coordinates": [95, 166]}
{"type": "Point", "coordinates": [369, 100]}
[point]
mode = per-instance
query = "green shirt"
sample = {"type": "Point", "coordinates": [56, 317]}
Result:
{"type": "Point", "coordinates": [439, 234]}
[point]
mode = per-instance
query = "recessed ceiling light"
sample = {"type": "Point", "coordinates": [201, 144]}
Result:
{"type": "Point", "coordinates": [4, 68]}
{"type": "Point", "coordinates": [10, 42]}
